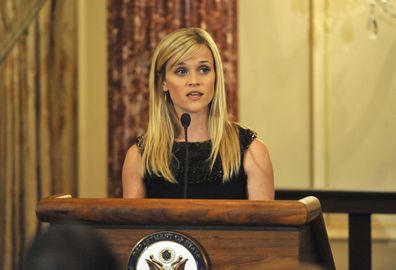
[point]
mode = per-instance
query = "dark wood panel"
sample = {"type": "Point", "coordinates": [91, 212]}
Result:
{"type": "Point", "coordinates": [308, 250]}
{"type": "Point", "coordinates": [360, 241]}
{"type": "Point", "coordinates": [339, 201]}
{"type": "Point", "coordinates": [359, 205]}
{"type": "Point", "coordinates": [227, 249]}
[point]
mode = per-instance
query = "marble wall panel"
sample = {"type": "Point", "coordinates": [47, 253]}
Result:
{"type": "Point", "coordinates": [134, 30]}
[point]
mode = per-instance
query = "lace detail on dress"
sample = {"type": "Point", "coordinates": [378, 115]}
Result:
{"type": "Point", "coordinates": [139, 143]}
{"type": "Point", "coordinates": [199, 163]}
{"type": "Point", "coordinates": [246, 137]}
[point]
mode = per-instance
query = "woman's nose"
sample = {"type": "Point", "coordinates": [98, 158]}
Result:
{"type": "Point", "coordinates": [193, 79]}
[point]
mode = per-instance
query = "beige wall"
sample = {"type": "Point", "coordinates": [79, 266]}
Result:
{"type": "Point", "coordinates": [274, 83]}
{"type": "Point", "coordinates": [361, 99]}
{"type": "Point", "coordinates": [92, 98]}
{"type": "Point", "coordinates": [359, 93]}
{"type": "Point", "coordinates": [352, 96]}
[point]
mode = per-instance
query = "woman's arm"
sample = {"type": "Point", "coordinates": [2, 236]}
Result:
{"type": "Point", "coordinates": [258, 168]}
{"type": "Point", "coordinates": [132, 176]}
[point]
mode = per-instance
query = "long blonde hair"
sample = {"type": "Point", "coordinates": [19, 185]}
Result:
{"type": "Point", "coordinates": [163, 124]}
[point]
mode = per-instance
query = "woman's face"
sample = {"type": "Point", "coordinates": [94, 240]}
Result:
{"type": "Point", "coordinates": [191, 83]}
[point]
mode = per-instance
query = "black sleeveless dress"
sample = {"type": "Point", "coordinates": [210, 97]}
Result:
{"type": "Point", "coordinates": [202, 183]}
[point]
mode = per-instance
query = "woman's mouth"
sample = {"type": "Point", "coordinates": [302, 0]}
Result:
{"type": "Point", "coordinates": [194, 94]}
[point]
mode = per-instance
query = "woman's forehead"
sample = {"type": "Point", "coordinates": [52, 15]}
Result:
{"type": "Point", "coordinates": [200, 53]}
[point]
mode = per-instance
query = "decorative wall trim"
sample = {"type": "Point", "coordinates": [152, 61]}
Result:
{"type": "Point", "coordinates": [12, 36]}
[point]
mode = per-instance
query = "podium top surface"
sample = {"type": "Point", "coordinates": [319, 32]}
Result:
{"type": "Point", "coordinates": [178, 211]}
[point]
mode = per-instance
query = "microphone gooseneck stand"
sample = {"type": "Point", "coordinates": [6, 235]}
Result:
{"type": "Point", "coordinates": [185, 121]}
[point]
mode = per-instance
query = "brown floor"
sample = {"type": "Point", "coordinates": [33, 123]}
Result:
{"type": "Point", "coordinates": [383, 254]}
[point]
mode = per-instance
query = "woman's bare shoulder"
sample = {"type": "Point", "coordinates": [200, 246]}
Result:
{"type": "Point", "coordinates": [132, 174]}
{"type": "Point", "coordinates": [258, 168]}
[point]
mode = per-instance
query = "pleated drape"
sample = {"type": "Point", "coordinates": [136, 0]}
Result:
{"type": "Point", "coordinates": [38, 87]}
{"type": "Point", "coordinates": [134, 29]}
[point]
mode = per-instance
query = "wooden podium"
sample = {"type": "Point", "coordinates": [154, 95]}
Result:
{"type": "Point", "coordinates": [235, 234]}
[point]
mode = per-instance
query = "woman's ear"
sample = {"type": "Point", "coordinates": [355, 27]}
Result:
{"type": "Point", "coordinates": [164, 87]}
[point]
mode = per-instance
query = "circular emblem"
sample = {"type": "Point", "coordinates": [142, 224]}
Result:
{"type": "Point", "coordinates": [167, 250]}
{"type": "Point", "coordinates": [166, 255]}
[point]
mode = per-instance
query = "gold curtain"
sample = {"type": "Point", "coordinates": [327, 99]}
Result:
{"type": "Point", "coordinates": [134, 29]}
{"type": "Point", "coordinates": [38, 87]}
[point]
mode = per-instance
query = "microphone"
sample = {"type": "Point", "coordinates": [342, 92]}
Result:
{"type": "Point", "coordinates": [185, 120]}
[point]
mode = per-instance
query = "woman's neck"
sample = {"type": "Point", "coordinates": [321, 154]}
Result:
{"type": "Point", "coordinates": [198, 129]}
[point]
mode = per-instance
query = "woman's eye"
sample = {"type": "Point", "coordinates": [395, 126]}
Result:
{"type": "Point", "coordinates": [181, 71]}
{"type": "Point", "coordinates": [204, 69]}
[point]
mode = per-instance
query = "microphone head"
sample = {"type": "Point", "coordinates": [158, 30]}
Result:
{"type": "Point", "coordinates": [185, 120]}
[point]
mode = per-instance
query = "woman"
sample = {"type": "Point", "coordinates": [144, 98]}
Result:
{"type": "Point", "coordinates": [226, 160]}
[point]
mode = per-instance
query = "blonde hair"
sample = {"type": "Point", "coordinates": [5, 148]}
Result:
{"type": "Point", "coordinates": [164, 123]}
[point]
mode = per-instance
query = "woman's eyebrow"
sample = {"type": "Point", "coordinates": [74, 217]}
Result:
{"type": "Point", "coordinates": [180, 64]}
{"type": "Point", "coordinates": [200, 62]}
